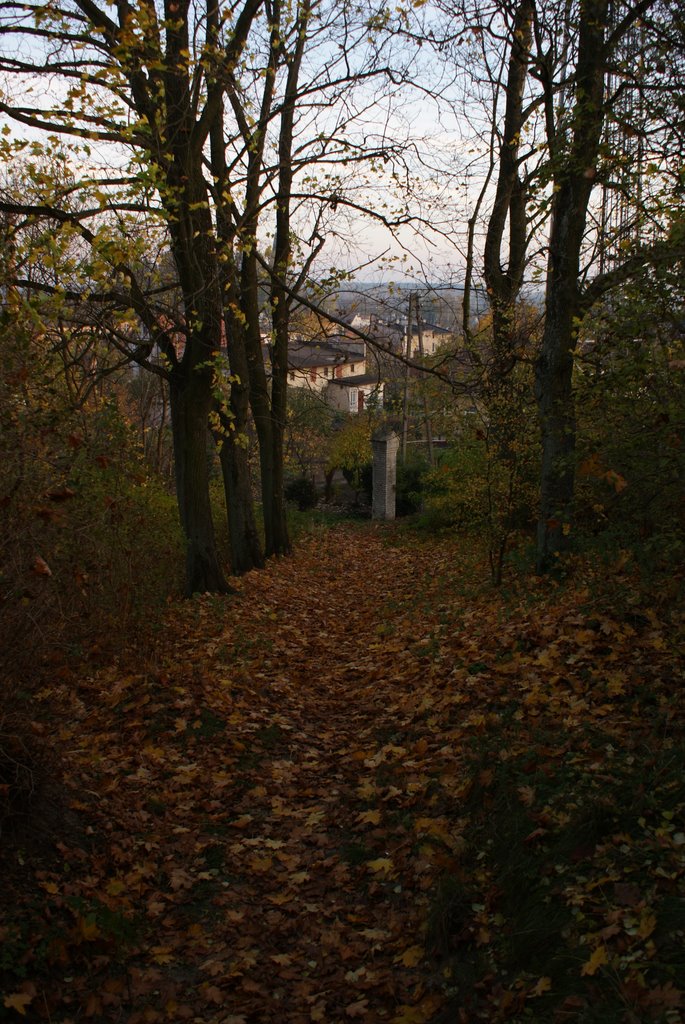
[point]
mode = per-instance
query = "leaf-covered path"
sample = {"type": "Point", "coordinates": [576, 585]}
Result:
{"type": "Point", "coordinates": [265, 802]}
{"type": "Point", "coordinates": [272, 798]}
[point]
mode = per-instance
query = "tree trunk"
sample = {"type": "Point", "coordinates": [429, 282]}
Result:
{"type": "Point", "coordinates": [191, 400]}
{"type": "Point", "coordinates": [280, 301]}
{"type": "Point", "coordinates": [574, 175]}
{"type": "Point", "coordinates": [281, 538]}
{"type": "Point", "coordinates": [260, 399]}
{"type": "Point", "coordinates": [554, 393]}
{"type": "Point", "coordinates": [246, 548]}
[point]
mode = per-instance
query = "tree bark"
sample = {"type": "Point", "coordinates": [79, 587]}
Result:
{"type": "Point", "coordinates": [509, 209]}
{"type": "Point", "coordinates": [244, 539]}
{"type": "Point", "coordinates": [246, 549]}
{"type": "Point", "coordinates": [190, 398]}
{"type": "Point", "coordinates": [574, 174]}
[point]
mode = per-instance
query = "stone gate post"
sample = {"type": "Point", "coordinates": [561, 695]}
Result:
{"type": "Point", "coordinates": [385, 444]}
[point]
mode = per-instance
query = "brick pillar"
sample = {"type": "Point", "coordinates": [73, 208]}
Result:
{"type": "Point", "coordinates": [385, 444]}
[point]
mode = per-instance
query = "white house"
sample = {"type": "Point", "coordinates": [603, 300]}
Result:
{"type": "Point", "coordinates": [313, 364]}
{"type": "Point", "coordinates": [353, 394]}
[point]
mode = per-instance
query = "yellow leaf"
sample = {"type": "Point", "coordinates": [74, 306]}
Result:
{"type": "Point", "coordinates": [439, 829]}
{"type": "Point", "coordinates": [242, 822]}
{"type": "Point", "coordinates": [543, 985]}
{"type": "Point", "coordinates": [298, 877]}
{"type": "Point", "coordinates": [162, 954]}
{"type": "Point", "coordinates": [260, 865]}
{"type": "Point", "coordinates": [370, 817]}
{"type": "Point", "coordinates": [411, 956]}
{"type": "Point", "coordinates": [18, 1001]}
{"type": "Point", "coordinates": [88, 928]}
{"type": "Point", "coordinates": [598, 958]}
{"type": "Point", "coordinates": [647, 925]}
{"type": "Point", "coordinates": [381, 866]}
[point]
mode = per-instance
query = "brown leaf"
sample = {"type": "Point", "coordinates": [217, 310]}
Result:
{"type": "Point", "coordinates": [61, 494]}
{"type": "Point", "coordinates": [213, 995]}
{"type": "Point", "coordinates": [358, 1009]}
{"type": "Point", "coordinates": [40, 567]}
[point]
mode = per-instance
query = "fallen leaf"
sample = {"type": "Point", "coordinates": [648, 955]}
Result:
{"type": "Point", "coordinates": [381, 866]}
{"type": "Point", "coordinates": [40, 567]}
{"type": "Point", "coordinates": [18, 1001]}
{"type": "Point", "coordinates": [370, 817]}
{"type": "Point", "coordinates": [542, 985]}
{"type": "Point", "coordinates": [358, 1009]}
{"type": "Point", "coordinates": [597, 960]}
{"type": "Point", "coordinates": [411, 956]}
{"type": "Point", "coordinates": [421, 1013]}
{"type": "Point", "coordinates": [213, 995]}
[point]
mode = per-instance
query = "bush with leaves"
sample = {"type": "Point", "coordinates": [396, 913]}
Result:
{"type": "Point", "coordinates": [410, 485]}
{"type": "Point", "coordinates": [351, 453]}
{"type": "Point", "coordinates": [89, 539]}
{"type": "Point", "coordinates": [487, 479]}
{"type": "Point", "coordinates": [630, 387]}
{"type": "Point", "coordinates": [303, 492]}
{"type": "Point", "coordinates": [308, 434]}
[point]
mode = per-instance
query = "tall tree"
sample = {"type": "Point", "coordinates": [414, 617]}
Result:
{"type": "Point", "coordinates": [605, 88]}
{"type": "Point", "coordinates": [126, 76]}
{"type": "Point", "coordinates": [210, 121]}
{"type": "Point", "coordinates": [571, 83]}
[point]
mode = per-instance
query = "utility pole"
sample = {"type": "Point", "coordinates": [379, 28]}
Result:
{"type": "Point", "coordinates": [405, 403]}
{"type": "Point", "coordinates": [426, 418]}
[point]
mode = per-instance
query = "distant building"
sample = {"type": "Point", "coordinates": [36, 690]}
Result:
{"type": "Point", "coordinates": [312, 364]}
{"type": "Point", "coordinates": [432, 338]}
{"type": "Point", "coordinates": [354, 394]}
{"type": "Point", "coordinates": [336, 365]}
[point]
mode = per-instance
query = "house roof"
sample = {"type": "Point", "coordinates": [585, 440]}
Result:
{"type": "Point", "coordinates": [357, 380]}
{"type": "Point", "coordinates": [304, 356]}
{"type": "Point", "coordinates": [432, 328]}
{"type": "Point", "coordinates": [335, 351]}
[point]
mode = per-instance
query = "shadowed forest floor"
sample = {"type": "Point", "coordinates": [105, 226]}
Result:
{"type": "Point", "coordinates": [364, 787]}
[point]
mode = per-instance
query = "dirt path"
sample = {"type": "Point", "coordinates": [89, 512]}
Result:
{"type": "Point", "coordinates": [363, 788]}
{"type": "Point", "coordinates": [274, 809]}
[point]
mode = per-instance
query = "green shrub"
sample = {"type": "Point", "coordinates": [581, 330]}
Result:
{"type": "Point", "coordinates": [302, 491]}
{"type": "Point", "coordinates": [411, 480]}
{"type": "Point", "coordinates": [630, 388]}
{"type": "Point", "coordinates": [90, 545]}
